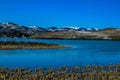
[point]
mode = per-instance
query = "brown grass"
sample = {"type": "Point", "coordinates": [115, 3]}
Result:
{"type": "Point", "coordinates": [93, 72]}
{"type": "Point", "coordinates": [107, 34]}
{"type": "Point", "coordinates": [27, 45]}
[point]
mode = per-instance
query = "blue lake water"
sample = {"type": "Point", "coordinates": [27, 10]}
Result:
{"type": "Point", "coordinates": [83, 52]}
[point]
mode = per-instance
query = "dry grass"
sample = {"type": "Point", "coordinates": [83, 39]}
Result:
{"type": "Point", "coordinates": [101, 72]}
{"type": "Point", "coordinates": [27, 45]}
{"type": "Point", "coordinates": [107, 34]}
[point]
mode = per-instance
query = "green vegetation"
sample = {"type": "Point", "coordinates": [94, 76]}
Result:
{"type": "Point", "coordinates": [27, 45]}
{"type": "Point", "coordinates": [92, 72]}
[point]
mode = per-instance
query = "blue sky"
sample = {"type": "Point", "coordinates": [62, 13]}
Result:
{"type": "Point", "coordinates": [46, 13]}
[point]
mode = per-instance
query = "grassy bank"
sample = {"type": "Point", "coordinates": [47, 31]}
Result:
{"type": "Point", "coordinates": [27, 45]}
{"type": "Point", "coordinates": [101, 72]}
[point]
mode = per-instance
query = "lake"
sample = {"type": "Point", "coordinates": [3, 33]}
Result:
{"type": "Point", "coordinates": [83, 52]}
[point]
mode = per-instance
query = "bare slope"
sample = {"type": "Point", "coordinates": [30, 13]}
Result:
{"type": "Point", "coordinates": [109, 34]}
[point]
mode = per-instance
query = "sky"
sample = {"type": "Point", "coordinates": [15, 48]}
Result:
{"type": "Point", "coordinates": [59, 13]}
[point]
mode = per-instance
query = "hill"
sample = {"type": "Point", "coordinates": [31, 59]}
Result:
{"type": "Point", "coordinates": [106, 34]}
{"type": "Point", "coordinates": [10, 29]}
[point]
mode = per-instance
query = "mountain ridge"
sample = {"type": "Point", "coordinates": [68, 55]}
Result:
{"type": "Point", "coordinates": [9, 29]}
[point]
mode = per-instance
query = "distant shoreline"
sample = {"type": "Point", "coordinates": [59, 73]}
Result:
{"type": "Point", "coordinates": [11, 45]}
{"type": "Point", "coordinates": [73, 39]}
{"type": "Point", "coordinates": [76, 39]}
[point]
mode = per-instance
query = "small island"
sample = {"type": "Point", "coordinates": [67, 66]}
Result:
{"type": "Point", "coordinates": [8, 45]}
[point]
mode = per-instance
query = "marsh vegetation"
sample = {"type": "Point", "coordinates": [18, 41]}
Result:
{"type": "Point", "coordinates": [89, 72]}
{"type": "Point", "coordinates": [26, 45]}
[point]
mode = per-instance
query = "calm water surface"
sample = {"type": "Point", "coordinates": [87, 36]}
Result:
{"type": "Point", "coordinates": [83, 52]}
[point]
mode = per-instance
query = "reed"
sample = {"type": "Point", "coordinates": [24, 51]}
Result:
{"type": "Point", "coordinates": [90, 72]}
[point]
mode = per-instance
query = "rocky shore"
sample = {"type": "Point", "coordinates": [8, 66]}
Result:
{"type": "Point", "coordinates": [89, 72]}
{"type": "Point", "coordinates": [7, 45]}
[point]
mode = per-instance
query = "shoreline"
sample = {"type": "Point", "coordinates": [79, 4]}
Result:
{"type": "Point", "coordinates": [68, 39]}
{"type": "Point", "coordinates": [76, 39]}
{"type": "Point", "coordinates": [13, 45]}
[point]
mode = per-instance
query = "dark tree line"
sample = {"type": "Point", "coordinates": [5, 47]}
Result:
{"type": "Point", "coordinates": [13, 33]}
